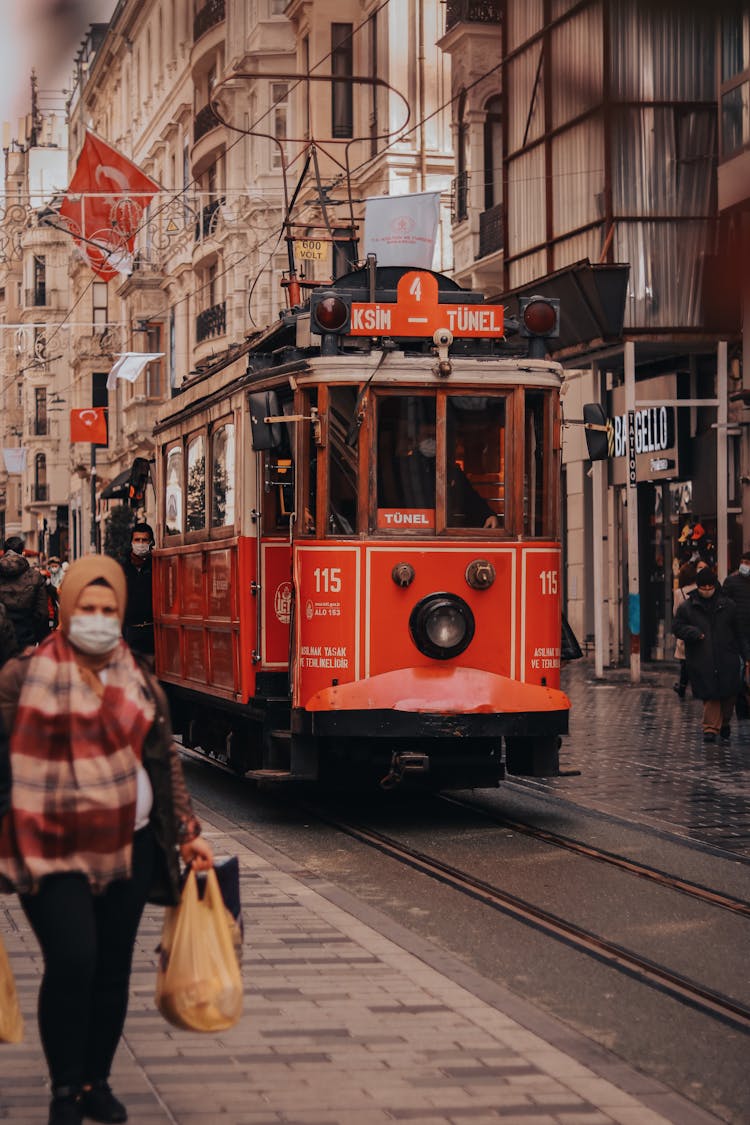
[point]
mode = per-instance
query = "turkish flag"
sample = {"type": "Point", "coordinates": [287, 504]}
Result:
{"type": "Point", "coordinates": [89, 425]}
{"type": "Point", "coordinates": [104, 206]}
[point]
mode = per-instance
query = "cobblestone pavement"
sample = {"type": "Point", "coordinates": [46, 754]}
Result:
{"type": "Point", "coordinates": [641, 754]}
{"type": "Point", "coordinates": [350, 1020]}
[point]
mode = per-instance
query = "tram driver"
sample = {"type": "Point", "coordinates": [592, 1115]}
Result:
{"type": "Point", "coordinates": [465, 506]}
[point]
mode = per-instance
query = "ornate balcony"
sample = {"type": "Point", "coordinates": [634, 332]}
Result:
{"type": "Point", "coordinates": [460, 198]}
{"type": "Point", "coordinates": [205, 120]}
{"type": "Point", "coordinates": [209, 15]}
{"type": "Point", "coordinates": [211, 322]}
{"type": "Point", "coordinates": [205, 225]}
{"type": "Point", "coordinates": [471, 11]}
{"type": "Point", "coordinates": [490, 230]}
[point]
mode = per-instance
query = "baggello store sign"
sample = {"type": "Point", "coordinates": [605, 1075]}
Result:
{"type": "Point", "coordinates": [644, 447]}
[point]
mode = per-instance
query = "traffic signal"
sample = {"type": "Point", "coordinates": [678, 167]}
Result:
{"type": "Point", "coordinates": [139, 478]}
{"type": "Point", "coordinates": [330, 316]}
{"type": "Point", "coordinates": [539, 321]}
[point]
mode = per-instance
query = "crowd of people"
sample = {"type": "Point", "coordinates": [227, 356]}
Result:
{"type": "Point", "coordinates": [94, 812]}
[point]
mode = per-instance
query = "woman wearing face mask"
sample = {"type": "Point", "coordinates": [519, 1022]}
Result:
{"type": "Point", "coordinates": [715, 652]}
{"type": "Point", "coordinates": [98, 811]}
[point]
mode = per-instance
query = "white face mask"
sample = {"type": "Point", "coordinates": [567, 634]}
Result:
{"type": "Point", "coordinates": [744, 569]}
{"type": "Point", "coordinates": [427, 447]}
{"type": "Point", "coordinates": [93, 633]}
{"type": "Point", "coordinates": [141, 550]}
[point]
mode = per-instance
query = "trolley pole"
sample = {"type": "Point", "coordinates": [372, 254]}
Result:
{"type": "Point", "coordinates": [634, 595]}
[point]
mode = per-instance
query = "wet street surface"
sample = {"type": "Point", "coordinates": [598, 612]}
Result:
{"type": "Point", "coordinates": [641, 754]}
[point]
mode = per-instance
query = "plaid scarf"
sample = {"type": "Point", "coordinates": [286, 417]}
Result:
{"type": "Point", "coordinates": [75, 749]}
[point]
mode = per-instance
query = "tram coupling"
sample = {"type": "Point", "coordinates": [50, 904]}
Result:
{"type": "Point", "coordinates": [403, 764]}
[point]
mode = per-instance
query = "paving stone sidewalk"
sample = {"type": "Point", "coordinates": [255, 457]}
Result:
{"type": "Point", "coordinates": [349, 1020]}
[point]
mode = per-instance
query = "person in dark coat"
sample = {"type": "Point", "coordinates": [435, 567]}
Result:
{"type": "Point", "coordinates": [715, 652]}
{"type": "Point", "coordinates": [139, 615]}
{"type": "Point", "coordinates": [737, 587]}
{"type": "Point", "coordinates": [8, 643]}
{"type": "Point", "coordinates": [23, 592]}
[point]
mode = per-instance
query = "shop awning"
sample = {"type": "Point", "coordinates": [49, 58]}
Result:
{"type": "Point", "coordinates": [119, 488]}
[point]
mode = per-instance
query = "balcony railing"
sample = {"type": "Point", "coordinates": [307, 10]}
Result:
{"type": "Point", "coordinates": [205, 120]}
{"type": "Point", "coordinates": [211, 322]}
{"type": "Point", "coordinates": [209, 15]}
{"type": "Point", "coordinates": [206, 224]}
{"type": "Point", "coordinates": [460, 198]}
{"type": "Point", "coordinates": [471, 11]}
{"type": "Point", "coordinates": [490, 230]}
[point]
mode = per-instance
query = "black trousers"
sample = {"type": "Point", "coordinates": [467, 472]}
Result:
{"type": "Point", "coordinates": [87, 941]}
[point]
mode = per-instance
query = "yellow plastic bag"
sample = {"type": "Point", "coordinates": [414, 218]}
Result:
{"type": "Point", "coordinates": [11, 1021]}
{"type": "Point", "coordinates": [198, 984]}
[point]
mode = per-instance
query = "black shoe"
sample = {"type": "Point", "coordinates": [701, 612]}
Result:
{"type": "Point", "coordinates": [65, 1107]}
{"type": "Point", "coordinates": [709, 736]}
{"type": "Point", "coordinates": [100, 1104]}
{"type": "Point", "coordinates": [679, 689]}
{"type": "Point", "coordinates": [725, 733]}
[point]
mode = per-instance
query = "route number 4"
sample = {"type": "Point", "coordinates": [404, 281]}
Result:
{"type": "Point", "coordinates": [548, 578]}
{"type": "Point", "coordinates": [327, 579]}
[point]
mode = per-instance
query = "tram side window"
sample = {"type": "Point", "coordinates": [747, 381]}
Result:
{"type": "Point", "coordinates": [343, 465]}
{"type": "Point", "coordinates": [533, 469]}
{"type": "Point", "coordinates": [196, 484]}
{"type": "Point", "coordinates": [222, 476]}
{"type": "Point", "coordinates": [309, 467]}
{"type": "Point", "coordinates": [475, 449]}
{"type": "Point", "coordinates": [174, 492]}
{"type": "Point", "coordinates": [278, 474]}
{"type": "Point", "coordinates": [406, 461]}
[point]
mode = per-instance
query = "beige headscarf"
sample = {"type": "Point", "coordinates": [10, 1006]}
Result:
{"type": "Point", "coordinates": [81, 574]}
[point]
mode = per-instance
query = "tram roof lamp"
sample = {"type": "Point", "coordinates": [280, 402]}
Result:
{"type": "Point", "coordinates": [329, 313]}
{"type": "Point", "coordinates": [540, 316]}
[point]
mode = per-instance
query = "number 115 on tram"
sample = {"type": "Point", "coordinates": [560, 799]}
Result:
{"type": "Point", "coordinates": [358, 564]}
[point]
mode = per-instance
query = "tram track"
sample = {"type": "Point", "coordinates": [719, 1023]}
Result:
{"type": "Point", "coordinates": [640, 870]}
{"type": "Point", "coordinates": [610, 953]}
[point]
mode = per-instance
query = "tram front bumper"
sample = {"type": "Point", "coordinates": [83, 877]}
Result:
{"type": "Point", "coordinates": [441, 702]}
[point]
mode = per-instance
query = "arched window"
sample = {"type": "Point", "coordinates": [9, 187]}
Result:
{"type": "Point", "coordinates": [493, 153]}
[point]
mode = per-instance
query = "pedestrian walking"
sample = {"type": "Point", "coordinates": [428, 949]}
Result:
{"type": "Point", "coordinates": [23, 592]}
{"type": "Point", "coordinates": [685, 586]}
{"type": "Point", "coordinates": [98, 812]}
{"type": "Point", "coordinates": [139, 615]}
{"type": "Point", "coordinates": [737, 587]}
{"type": "Point", "coordinates": [715, 652]}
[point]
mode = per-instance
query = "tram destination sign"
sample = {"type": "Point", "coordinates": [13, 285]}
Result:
{"type": "Point", "coordinates": [417, 312]}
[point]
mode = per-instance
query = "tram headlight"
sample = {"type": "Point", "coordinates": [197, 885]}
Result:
{"type": "Point", "coordinates": [441, 626]}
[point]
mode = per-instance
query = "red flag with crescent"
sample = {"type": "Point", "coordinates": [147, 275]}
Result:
{"type": "Point", "coordinates": [104, 206]}
{"type": "Point", "coordinates": [89, 425]}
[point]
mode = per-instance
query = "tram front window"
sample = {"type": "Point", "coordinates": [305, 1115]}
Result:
{"type": "Point", "coordinates": [409, 454]}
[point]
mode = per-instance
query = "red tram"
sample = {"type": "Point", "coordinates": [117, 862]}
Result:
{"type": "Point", "coordinates": [358, 563]}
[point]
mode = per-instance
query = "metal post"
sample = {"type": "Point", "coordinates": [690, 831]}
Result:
{"type": "Point", "coordinates": [600, 560]}
{"type": "Point", "coordinates": [93, 499]}
{"type": "Point", "coordinates": [722, 468]}
{"type": "Point", "coordinates": [634, 596]}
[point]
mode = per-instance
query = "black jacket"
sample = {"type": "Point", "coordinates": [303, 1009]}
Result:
{"type": "Point", "coordinates": [737, 588]}
{"type": "Point", "coordinates": [23, 592]}
{"type": "Point", "coordinates": [138, 627]}
{"type": "Point", "coordinates": [8, 639]}
{"type": "Point", "coordinates": [715, 648]}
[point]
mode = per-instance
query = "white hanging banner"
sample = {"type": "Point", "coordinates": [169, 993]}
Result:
{"type": "Point", "coordinates": [15, 459]}
{"type": "Point", "coordinates": [401, 230]}
{"type": "Point", "coordinates": [129, 366]}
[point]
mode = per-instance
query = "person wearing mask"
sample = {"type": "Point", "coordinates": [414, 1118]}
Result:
{"type": "Point", "coordinates": [102, 836]}
{"type": "Point", "coordinates": [715, 652]}
{"type": "Point", "coordinates": [466, 508]}
{"type": "Point", "coordinates": [685, 586]}
{"type": "Point", "coordinates": [23, 592]}
{"type": "Point", "coordinates": [56, 572]}
{"type": "Point", "coordinates": [139, 616]}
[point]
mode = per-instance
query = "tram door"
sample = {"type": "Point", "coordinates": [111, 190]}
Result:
{"type": "Point", "coordinates": [275, 468]}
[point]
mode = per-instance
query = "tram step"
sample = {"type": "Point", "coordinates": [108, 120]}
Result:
{"type": "Point", "coordinates": [269, 775]}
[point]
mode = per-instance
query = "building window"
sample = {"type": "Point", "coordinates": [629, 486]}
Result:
{"type": "Point", "coordinates": [40, 411]}
{"type": "Point", "coordinates": [154, 381]}
{"type": "Point", "coordinates": [493, 154]}
{"type": "Point", "coordinates": [280, 105]}
{"type": "Point", "coordinates": [40, 280]}
{"type": "Point", "coordinates": [40, 477]}
{"type": "Point", "coordinates": [99, 296]}
{"type": "Point", "coordinates": [342, 67]}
